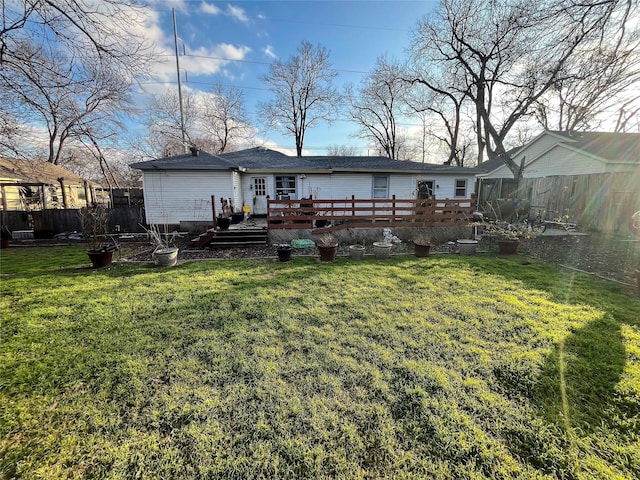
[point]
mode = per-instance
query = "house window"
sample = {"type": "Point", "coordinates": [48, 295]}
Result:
{"type": "Point", "coordinates": [461, 188]}
{"type": "Point", "coordinates": [380, 186]}
{"type": "Point", "coordinates": [260, 186]}
{"type": "Point", "coordinates": [286, 187]}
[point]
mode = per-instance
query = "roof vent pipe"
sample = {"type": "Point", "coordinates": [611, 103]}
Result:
{"type": "Point", "coordinates": [195, 151]}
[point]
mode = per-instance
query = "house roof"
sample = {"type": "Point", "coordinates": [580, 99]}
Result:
{"type": "Point", "coordinates": [265, 160]}
{"type": "Point", "coordinates": [13, 170]}
{"type": "Point", "coordinates": [609, 146]}
{"type": "Point", "coordinates": [491, 165]}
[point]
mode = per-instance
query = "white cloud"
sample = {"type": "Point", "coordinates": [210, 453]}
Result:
{"type": "Point", "coordinates": [237, 12]}
{"type": "Point", "coordinates": [209, 8]}
{"type": "Point", "coordinates": [268, 51]}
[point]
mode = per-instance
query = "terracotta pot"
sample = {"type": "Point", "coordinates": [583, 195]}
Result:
{"type": "Point", "coordinates": [99, 258]}
{"type": "Point", "coordinates": [4, 243]}
{"type": "Point", "coordinates": [508, 247]}
{"type": "Point", "coordinates": [327, 253]}
{"type": "Point", "coordinates": [421, 250]}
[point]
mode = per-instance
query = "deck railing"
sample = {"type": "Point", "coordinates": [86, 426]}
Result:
{"type": "Point", "coordinates": [329, 215]}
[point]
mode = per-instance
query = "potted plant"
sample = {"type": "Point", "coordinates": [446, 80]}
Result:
{"type": "Point", "coordinates": [5, 236]}
{"type": "Point", "coordinates": [165, 253]}
{"type": "Point", "coordinates": [467, 246]}
{"type": "Point", "coordinates": [508, 236]}
{"type": "Point", "coordinates": [356, 252]}
{"type": "Point", "coordinates": [422, 245]}
{"type": "Point", "coordinates": [94, 223]}
{"type": "Point", "coordinates": [284, 252]}
{"type": "Point", "coordinates": [327, 247]}
{"type": "Point", "coordinates": [382, 250]}
{"type": "Point", "coordinates": [224, 219]}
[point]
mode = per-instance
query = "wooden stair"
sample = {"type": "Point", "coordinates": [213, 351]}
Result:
{"type": "Point", "coordinates": [231, 238]}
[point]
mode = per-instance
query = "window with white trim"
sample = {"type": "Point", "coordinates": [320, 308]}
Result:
{"type": "Point", "coordinates": [286, 186]}
{"type": "Point", "coordinates": [461, 187]}
{"type": "Point", "coordinates": [380, 186]}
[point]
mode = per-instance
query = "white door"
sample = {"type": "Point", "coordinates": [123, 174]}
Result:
{"type": "Point", "coordinates": [259, 187]}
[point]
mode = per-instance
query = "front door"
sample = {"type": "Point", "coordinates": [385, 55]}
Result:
{"type": "Point", "coordinates": [425, 189]}
{"type": "Point", "coordinates": [259, 187]}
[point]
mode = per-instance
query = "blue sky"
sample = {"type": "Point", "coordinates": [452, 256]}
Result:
{"type": "Point", "coordinates": [233, 43]}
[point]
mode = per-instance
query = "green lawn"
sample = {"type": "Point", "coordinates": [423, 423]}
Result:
{"type": "Point", "coordinates": [444, 367]}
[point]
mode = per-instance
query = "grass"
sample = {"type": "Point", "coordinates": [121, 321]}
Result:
{"type": "Point", "coordinates": [444, 367]}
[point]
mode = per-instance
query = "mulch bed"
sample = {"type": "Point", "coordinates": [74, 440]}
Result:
{"type": "Point", "coordinates": [614, 258]}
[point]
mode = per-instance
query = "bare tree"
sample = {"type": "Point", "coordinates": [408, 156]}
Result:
{"type": "Point", "coordinates": [304, 94]}
{"type": "Point", "coordinates": [67, 65]}
{"type": "Point", "coordinates": [443, 104]}
{"type": "Point", "coordinates": [598, 82]}
{"type": "Point", "coordinates": [215, 122]}
{"type": "Point", "coordinates": [164, 121]}
{"type": "Point", "coordinates": [77, 27]}
{"type": "Point", "coordinates": [225, 118]}
{"type": "Point", "coordinates": [69, 97]}
{"type": "Point", "coordinates": [510, 53]}
{"type": "Point", "coordinates": [378, 104]}
{"type": "Point", "coordinates": [342, 151]}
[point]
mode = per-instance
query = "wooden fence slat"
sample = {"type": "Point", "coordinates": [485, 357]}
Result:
{"type": "Point", "coordinates": [363, 213]}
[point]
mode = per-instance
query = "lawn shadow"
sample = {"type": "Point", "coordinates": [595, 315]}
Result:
{"type": "Point", "coordinates": [576, 387]}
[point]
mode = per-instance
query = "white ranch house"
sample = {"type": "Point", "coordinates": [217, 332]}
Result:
{"type": "Point", "coordinates": [179, 188]}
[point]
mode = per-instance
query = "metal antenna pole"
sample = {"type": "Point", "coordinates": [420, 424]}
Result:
{"type": "Point", "coordinates": [175, 38]}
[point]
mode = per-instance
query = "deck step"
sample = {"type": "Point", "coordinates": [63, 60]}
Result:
{"type": "Point", "coordinates": [214, 245]}
{"type": "Point", "coordinates": [239, 237]}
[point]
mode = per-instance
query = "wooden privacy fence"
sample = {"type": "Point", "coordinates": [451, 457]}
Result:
{"type": "Point", "coordinates": [46, 223]}
{"type": "Point", "coordinates": [330, 215]}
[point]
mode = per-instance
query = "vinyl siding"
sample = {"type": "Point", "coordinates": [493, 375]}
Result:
{"type": "Point", "coordinates": [562, 161]}
{"type": "Point", "coordinates": [174, 196]}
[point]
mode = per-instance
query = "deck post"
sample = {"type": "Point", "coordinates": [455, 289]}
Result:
{"type": "Point", "coordinates": [213, 211]}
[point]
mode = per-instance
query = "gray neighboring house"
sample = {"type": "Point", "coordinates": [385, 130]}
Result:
{"type": "Point", "coordinates": [179, 188]}
{"type": "Point", "coordinates": [593, 178]}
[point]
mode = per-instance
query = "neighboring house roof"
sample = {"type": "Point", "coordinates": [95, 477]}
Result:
{"type": "Point", "coordinates": [35, 171]}
{"type": "Point", "coordinates": [491, 165]}
{"type": "Point", "coordinates": [609, 146]}
{"type": "Point", "coordinates": [605, 147]}
{"type": "Point", "coordinates": [265, 160]}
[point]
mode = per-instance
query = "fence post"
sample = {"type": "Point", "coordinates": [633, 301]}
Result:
{"type": "Point", "coordinates": [393, 208]}
{"type": "Point", "coordinates": [353, 205]}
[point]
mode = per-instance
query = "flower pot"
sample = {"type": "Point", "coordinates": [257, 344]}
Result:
{"type": "Point", "coordinates": [166, 257]}
{"type": "Point", "coordinates": [467, 247]}
{"type": "Point", "coordinates": [284, 253]}
{"type": "Point", "coordinates": [382, 250]}
{"type": "Point", "coordinates": [356, 252]}
{"type": "Point", "coordinates": [421, 250]}
{"type": "Point", "coordinates": [508, 247]}
{"type": "Point", "coordinates": [100, 258]}
{"type": "Point", "coordinates": [223, 223]}
{"type": "Point", "coordinates": [321, 223]}
{"type": "Point", "coordinates": [237, 217]}
{"type": "Point", "coordinates": [327, 253]}
{"type": "Point", "coordinates": [4, 243]}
